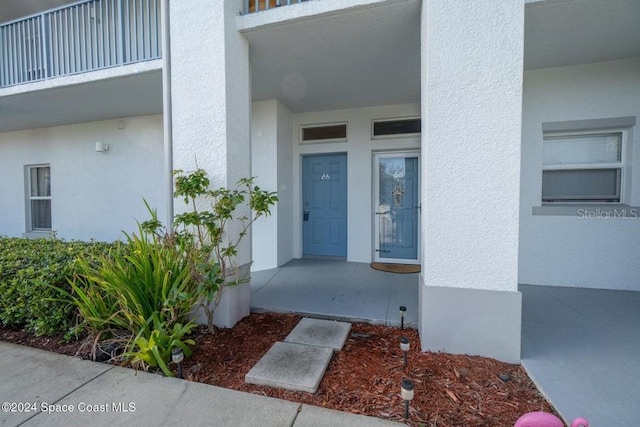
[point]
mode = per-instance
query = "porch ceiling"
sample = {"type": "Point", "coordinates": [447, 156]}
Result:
{"type": "Point", "coordinates": [133, 95]}
{"type": "Point", "coordinates": [371, 56]}
{"type": "Point", "coordinates": [569, 32]}
{"type": "Point", "coordinates": [368, 56]}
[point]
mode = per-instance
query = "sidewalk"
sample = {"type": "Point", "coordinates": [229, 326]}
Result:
{"type": "Point", "coordinates": [62, 390]}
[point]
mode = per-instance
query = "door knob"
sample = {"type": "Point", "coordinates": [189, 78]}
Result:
{"type": "Point", "coordinates": [305, 216]}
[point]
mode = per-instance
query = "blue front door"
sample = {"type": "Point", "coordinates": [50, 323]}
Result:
{"type": "Point", "coordinates": [324, 205]}
{"type": "Point", "coordinates": [397, 207]}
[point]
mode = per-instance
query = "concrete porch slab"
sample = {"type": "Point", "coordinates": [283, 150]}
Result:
{"type": "Point", "coordinates": [335, 289]}
{"type": "Point", "coordinates": [291, 366]}
{"type": "Point", "coordinates": [320, 333]}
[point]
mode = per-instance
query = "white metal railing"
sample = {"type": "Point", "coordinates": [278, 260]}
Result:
{"type": "Point", "coordinates": [84, 36]}
{"type": "Point", "coordinates": [253, 6]}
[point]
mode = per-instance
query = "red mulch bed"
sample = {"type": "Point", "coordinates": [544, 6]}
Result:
{"type": "Point", "coordinates": [363, 378]}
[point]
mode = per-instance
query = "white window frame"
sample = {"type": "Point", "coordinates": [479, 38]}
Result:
{"type": "Point", "coordinates": [322, 141]}
{"type": "Point", "coordinates": [397, 135]}
{"type": "Point", "coordinates": [590, 166]}
{"type": "Point", "coordinates": [30, 198]}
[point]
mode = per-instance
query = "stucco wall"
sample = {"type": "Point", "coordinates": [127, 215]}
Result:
{"type": "Point", "coordinates": [471, 77]}
{"type": "Point", "coordinates": [359, 148]}
{"type": "Point", "coordinates": [211, 103]}
{"type": "Point", "coordinates": [271, 160]}
{"type": "Point", "coordinates": [264, 167]}
{"type": "Point", "coordinates": [472, 58]}
{"type": "Point", "coordinates": [284, 185]}
{"type": "Point", "coordinates": [566, 250]}
{"type": "Point", "coordinates": [94, 195]}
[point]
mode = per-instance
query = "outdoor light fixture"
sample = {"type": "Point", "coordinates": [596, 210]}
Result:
{"type": "Point", "coordinates": [404, 346]}
{"type": "Point", "coordinates": [101, 147]}
{"type": "Point", "coordinates": [177, 356]}
{"type": "Point", "coordinates": [403, 312]}
{"type": "Point", "coordinates": [406, 391]}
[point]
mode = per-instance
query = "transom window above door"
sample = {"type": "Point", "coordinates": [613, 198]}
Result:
{"type": "Point", "coordinates": [584, 167]}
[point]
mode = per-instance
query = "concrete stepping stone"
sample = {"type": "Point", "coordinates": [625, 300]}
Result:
{"type": "Point", "coordinates": [320, 333]}
{"type": "Point", "coordinates": [291, 366]}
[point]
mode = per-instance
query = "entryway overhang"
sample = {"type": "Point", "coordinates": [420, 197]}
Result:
{"type": "Point", "coordinates": [362, 56]}
{"type": "Point", "coordinates": [370, 55]}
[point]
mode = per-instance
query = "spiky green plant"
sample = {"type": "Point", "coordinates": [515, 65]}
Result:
{"type": "Point", "coordinates": [145, 286]}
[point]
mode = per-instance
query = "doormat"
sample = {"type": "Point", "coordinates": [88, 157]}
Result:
{"type": "Point", "coordinates": [396, 268]}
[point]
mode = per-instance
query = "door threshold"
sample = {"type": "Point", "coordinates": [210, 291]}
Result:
{"type": "Point", "coordinates": [336, 258]}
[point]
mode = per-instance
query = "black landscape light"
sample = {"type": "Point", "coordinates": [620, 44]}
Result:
{"type": "Point", "coordinates": [177, 356]}
{"type": "Point", "coordinates": [406, 391]}
{"type": "Point", "coordinates": [404, 346]}
{"type": "Point", "coordinates": [403, 312]}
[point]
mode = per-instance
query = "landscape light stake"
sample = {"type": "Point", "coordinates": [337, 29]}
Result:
{"type": "Point", "coordinates": [404, 346]}
{"type": "Point", "coordinates": [177, 356]}
{"type": "Point", "coordinates": [403, 311]}
{"type": "Point", "coordinates": [406, 391]}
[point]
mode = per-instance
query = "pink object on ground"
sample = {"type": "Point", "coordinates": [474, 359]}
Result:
{"type": "Point", "coordinates": [580, 422]}
{"type": "Point", "coordinates": [545, 419]}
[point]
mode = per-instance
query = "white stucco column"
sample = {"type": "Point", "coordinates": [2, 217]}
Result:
{"type": "Point", "coordinates": [271, 165]}
{"type": "Point", "coordinates": [210, 89]}
{"type": "Point", "coordinates": [472, 56]}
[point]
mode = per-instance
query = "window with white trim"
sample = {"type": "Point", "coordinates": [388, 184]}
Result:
{"type": "Point", "coordinates": [39, 198]}
{"type": "Point", "coordinates": [583, 167]}
{"type": "Point", "coordinates": [330, 132]}
{"type": "Point", "coordinates": [395, 128]}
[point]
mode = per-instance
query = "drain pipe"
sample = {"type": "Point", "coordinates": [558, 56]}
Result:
{"type": "Point", "coordinates": [167, 117]}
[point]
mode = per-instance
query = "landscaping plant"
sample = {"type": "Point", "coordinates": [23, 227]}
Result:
{"type": "Point", "coordinates": [210, 230]}
{"type": "Point", "coordinates": [148, 287]}
{"type": "Point", "coordinates": [155, 349]}
{"type": "Point", "coordinates": [28, 270]}
{"type": "Point", "coordinates": [145, 289]}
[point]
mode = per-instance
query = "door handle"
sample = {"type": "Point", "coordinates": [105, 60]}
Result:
{"type": "Point", "coordinates": [305, 216]}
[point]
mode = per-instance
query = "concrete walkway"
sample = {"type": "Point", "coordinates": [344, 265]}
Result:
{"type": "Point", "coordinates": [299, 363]}
{"type": "Point", "coordinates": [65, 391]}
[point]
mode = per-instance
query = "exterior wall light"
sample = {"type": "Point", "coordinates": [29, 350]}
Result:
{"type": "Point", "coordinates": [101, 147]}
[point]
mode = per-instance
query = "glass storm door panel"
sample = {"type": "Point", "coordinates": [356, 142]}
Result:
{"type": "Point", "coordinates": [324, 205]}
{"type": "Point", "coordinates": [397, 208]}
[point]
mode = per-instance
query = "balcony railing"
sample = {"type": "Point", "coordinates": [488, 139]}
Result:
{"type": "Point", "coordinates": [81, 37]}
{"type": "Point", "coordinates": [252, 6]}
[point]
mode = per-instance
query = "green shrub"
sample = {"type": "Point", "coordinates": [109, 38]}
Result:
{"type": "Point", "coordinates": [125, 289]}
{"type": "Point", "coordinates": [153, 344]}
{"type": "Point", "coordinates": [211, 228]}
{"type": "Point", "coordinates": [147, 290]}
{"type": "Point", "coordinates": [28, 269]}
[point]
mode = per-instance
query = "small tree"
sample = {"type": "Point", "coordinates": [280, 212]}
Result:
{"type": "Point", "coordinates": [213, 232]}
